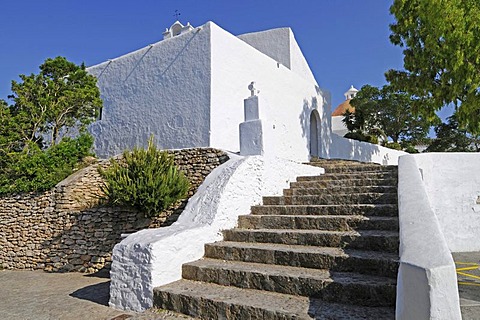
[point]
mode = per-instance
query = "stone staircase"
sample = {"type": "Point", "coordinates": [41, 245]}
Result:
{"type": "Point", "coordinates": [326, 249]}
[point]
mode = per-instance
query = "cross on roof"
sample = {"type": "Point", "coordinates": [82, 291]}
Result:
{"type": "Point", "coordinates": [177, 14]}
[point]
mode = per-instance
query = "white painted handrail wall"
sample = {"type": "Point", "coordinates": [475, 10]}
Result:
{"type": "Point", "coordinates": [427, 282]}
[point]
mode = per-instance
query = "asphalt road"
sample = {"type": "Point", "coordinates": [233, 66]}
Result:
{"type": "Point", "coordinates": [468, 275]}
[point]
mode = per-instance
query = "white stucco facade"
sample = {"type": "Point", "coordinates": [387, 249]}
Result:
{"type": "Point", "coordinates": [188, 91]}
{"type": "Point", "coordinates": [162, 89]}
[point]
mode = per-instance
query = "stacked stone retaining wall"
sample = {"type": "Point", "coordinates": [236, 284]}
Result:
{"type": "Point", "coordinates": [69, 229]}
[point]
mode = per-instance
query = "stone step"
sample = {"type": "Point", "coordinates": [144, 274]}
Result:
{"type": "Point", "coordinates": [353, 198]}
{"type": "Point", "coordinates": [318, 222]}
{"type": "Point", "coordinates": [372, 240]}
{"type": "Point", "coordinates": [212, 301]}
{"type": "Point", "coordinates": [347, 176]}
{"type": "Point", "coordinates": [343, 183]}
{"type": "Point", "coordinates": [335, 259]}
{"type": "Point", "coordinates": [390, 210]}
{"type": "Point", "coordinates": [339, 162]}
{"type": "Point", "coordinates": [305, 190]}
{"type": "Point", "coordinates": [364, 168]}
{"type": "Point", "coordinates": [342, 287]}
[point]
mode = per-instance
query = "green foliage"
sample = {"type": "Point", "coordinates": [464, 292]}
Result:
{"type": "Point", "coordinates": [34, 169]}
{"type": "Point", "coordinates": [441, 42]}
{"type": "Point", "coordinates": [62, 96]}
{"type": "Point", "coordinates": [393, 145]}
{"type": "Point", "coordinates": [144, 179]}
{"type": "Point", "coordinates": [385, 113]}
{"type": "Point", "coordinates": [35, 152]}
{"type": "Point", "coordinates": [410, 149]}
{"type": "Point", "coordinates": [356, 135]}
{"type": "Point", "coordinates": [450, 138]}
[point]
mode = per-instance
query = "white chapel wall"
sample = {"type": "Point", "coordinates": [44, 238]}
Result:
{"type": "Point", "coordinates": [452, 183]}
{"type": "Point", "coordinates": [287, 99]}
{"type": "Point", "coordinates": [162, 89]}
{"type": "Point", "coordinates": [298, 62]}
{"type": "Point", "coordinates": [280, 45]}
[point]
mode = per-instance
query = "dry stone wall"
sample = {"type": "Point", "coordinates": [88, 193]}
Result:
{"type": "Point", "coordinates": [69, 229]}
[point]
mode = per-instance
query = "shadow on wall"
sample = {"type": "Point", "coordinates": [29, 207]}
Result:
{"type": "Point", "coordinates": [309, 110]}
{"type": "Point", "coordinates": [175, 58]}
{"type": "Point", "coordinates": [336, 147]}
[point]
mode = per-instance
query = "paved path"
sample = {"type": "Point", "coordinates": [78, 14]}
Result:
{"type": "Point", "coordinates": [468, 275]}
{"type": "Point", "coordinates": [36, 295]}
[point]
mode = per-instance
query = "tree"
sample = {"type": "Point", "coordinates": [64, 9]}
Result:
{"type": "Point", "coordinates": [385, 113]}
{"type": "Point", "coordinates": [450, 138]}
{"type": "Point", "coordinates": [35, 152]}
{"type": "Point", "coordinates": [10, 130]}
{"type": "Point", "coordinates": [62, 96]}
{"type": "Point", "coordinates": [441, 41]}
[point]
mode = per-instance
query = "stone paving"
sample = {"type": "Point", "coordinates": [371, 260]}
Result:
{"type": "Point", "coordinates": [37, 295]}
{"type": "Point", "coordinates": [468, 275]}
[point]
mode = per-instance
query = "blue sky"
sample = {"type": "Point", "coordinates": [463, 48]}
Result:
{"type": "Point", "coordinates": [345, 42]}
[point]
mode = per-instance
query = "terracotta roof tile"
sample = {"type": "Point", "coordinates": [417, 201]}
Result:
{"type": "Point", "coordinates": [342, 107]}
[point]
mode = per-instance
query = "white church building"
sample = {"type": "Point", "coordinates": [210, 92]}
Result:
{"type": "Point", "coordinates": [255, 95]}
{"type": "Point", "coordinates": [188, 90]}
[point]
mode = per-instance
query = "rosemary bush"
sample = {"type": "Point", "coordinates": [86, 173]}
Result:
{"type": "Point", "coordinates": [145, 179]}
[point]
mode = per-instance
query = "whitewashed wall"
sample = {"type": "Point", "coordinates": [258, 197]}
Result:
{"type": "Point", "coordinates": [287, 99]}
{"type": "Point", "coordinates": [338, 127]}
{"type": "Point", "coordinates": [452, 182]}
{"type": "Point", "coordinates": [280, 45]}
{"type": "Point", "coordinates": [427, 282]}
{"type": "Point", "coordinates": [336, 147]}
{"type": "Point", "coordinates": [162, 89]}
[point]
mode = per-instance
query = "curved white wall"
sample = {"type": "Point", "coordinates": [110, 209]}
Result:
{"type": "Point", "coordinates": [336, 147]}
{"type": "Point", "coordinates": [153, 257]}
{"type": "Point", "coordinates": [427, 282]}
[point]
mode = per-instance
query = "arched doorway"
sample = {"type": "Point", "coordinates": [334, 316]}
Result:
{"type": "Point", "coordinates": [314, 134]}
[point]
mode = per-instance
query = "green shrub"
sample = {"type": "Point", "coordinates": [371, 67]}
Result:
{"type": "Point", "coordinates": [357, 135]}
{"type": "Point", "coordinates": [144, 179]}
{"type": "Point", "coordinates": [394, 145]}
{"type": "Point", "coordinates": [410, 149]}
{"type": "Point", "coordinates": [371, 139]}
{"type": "Point", "coordinates": [34, 169]}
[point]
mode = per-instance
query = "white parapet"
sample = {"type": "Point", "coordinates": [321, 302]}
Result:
{"type": "Point", "coordinates": [154, 257]}
{"type": "Point", "coordinates": [427, 282]}
{"type": "Point", "coordinates": [336, 147]}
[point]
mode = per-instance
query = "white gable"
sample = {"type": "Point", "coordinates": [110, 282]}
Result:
{"type": "Point", "coordinates": [280, 45]}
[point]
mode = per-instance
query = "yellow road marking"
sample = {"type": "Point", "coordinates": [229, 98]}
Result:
{"type": "Point", "coordinates": [469, 283]}
{"type": "Point", "coordinates": [469, 275]}
{"type": "Point", "coordinates": [467, 263]}
{"type": "Point", "coordinates": [467, 268]}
